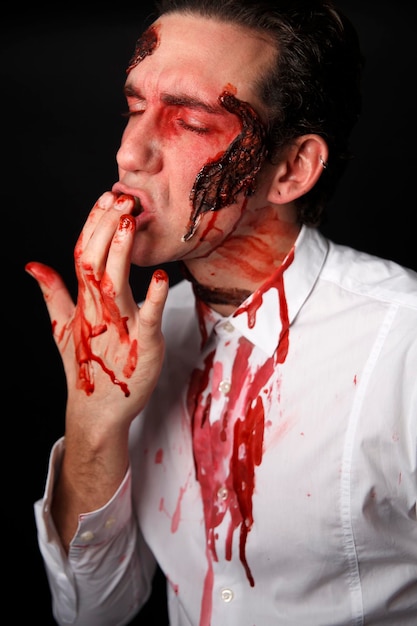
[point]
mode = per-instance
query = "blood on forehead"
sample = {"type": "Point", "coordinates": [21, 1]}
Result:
{"type": "Point", "coordinates": [145, 46]}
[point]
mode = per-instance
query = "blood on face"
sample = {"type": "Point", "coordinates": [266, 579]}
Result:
{"type": "Point", "coordinates": [223, 177]}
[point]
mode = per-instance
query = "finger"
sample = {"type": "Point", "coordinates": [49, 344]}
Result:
{"type": "Point", "coordinates": [153, 307]}
{"type": "Point", "coordinates": [115, 281]}
{"type": "Point", "coordinates": [102, 205]}
{"type": "Point", "coordinates": [96, 238]}
{"type": "Point", "coordinates": [91, 253]}
{"type": "Point", "coordinates": [57, 297]}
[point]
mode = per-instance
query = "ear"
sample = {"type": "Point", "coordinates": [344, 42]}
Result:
{"type": "Point", "coordinates": [298, 170]}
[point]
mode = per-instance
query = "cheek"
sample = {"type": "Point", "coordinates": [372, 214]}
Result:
{"type": "Point", "coordinates": [187, 159]}
{"type": "Point", "coordinates": [191, 150]}
{"type": "Point", "coordinates": [192, 156]}
{"type": "Point", "coordinates": [217, 226]}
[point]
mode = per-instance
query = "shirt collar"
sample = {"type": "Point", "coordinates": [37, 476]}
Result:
{"type": "Point", "coordinates": [271, 309]}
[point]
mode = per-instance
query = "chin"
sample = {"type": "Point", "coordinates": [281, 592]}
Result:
{"type": "Point", "coordinates": [143, 259]}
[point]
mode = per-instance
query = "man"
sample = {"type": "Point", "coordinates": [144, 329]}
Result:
{"type": "Point", "coordinates": [252, 429]}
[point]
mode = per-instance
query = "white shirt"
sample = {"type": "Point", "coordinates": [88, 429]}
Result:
{"type": "Point", "coordinates": [298, 505]}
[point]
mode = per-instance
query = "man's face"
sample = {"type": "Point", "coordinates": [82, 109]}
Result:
{"type": "Point", "coordinates": [180, 132]}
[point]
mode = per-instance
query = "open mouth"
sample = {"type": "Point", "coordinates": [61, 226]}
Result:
{"type": "Point", "coordinates": [138, 208]}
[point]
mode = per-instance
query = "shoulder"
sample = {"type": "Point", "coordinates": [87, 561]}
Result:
{"type": "Point", "coordinates": [370, 276]}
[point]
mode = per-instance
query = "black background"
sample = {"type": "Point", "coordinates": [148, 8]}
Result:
{"type": "Point", "coordinates": [61, 78]}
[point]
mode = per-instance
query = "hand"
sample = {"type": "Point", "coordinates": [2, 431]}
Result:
{"type": "Point", "coordinates": [112, 350]}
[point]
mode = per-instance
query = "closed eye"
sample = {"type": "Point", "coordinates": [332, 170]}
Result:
{"type": "Point", "coordinates": [200, 130]}
{"type": "Point", "coordinates": [131, 113]}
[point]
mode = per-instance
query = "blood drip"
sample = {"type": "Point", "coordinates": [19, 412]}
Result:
{"type": "Point", "coordinates": [218, 182]}
{"type": "Point", "coordinates": [240, 440]}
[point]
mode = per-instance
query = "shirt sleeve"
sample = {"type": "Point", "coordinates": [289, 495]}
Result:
{"type": "Point", "coordinates": [107, 575]}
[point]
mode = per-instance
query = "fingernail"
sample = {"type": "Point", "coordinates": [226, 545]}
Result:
{"type": "Point", "coordinates": [127, 223]}
{"type": "Point", "coordinates": [124, 202]}
{"type": "Point", "coordinates": [160, 278]}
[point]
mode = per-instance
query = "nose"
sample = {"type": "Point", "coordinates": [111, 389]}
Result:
{"type": "Point", "coordinates": [140, 149]}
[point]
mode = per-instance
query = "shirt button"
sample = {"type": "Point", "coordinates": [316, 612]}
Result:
{"type": "Point", "coordinates": [222, 493]}
{"type": "Point", "coordinates": [227, 595]}
{"type": "Point", "coordinates": [229, 327]}
{"type": "Point", "coordinates": [110, 523]}
{"type": "Point", "coordinates": [87, 535]}
{"type": "Point", "coordinates": [224, 387]}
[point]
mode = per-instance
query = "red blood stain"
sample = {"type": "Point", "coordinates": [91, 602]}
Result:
{"type": "Point", "coordinates": [159, 456]}
{"type": "Point", "coordinates": [203, 311]}
{"type": "Point", "coordinates": [276, 280]}
{"type": "Point", "coordinates": [106, 313]}
{"type": "Point", "coordinates": [99, 293]}
{"type": "Point", "coordinates": [238, 435]}
{"type": "Point", "coordinates": [232, 171]}
{"type": "Point", "coordinates": [145, 46]}
{"type": "Point", "coordinates": [162, 507]}
{"type": "Point", "coordinates": [247, 452]}
{"type": "Point", "coordinates": [177, 513]}
{"type": "Point", "coordinates": [132, 360]}
{"type": "Point", "coordinates": [42, 273]}
{"type": "Point", "coordinates": [220, 180]}
{"type": "Point", "coordinates": [173, 585]}
{"type": "Point", "coordinates": [241, 441]}
{"type": "Point", "coordinates": [160, 276]}
{"type": "Point", "coordinates": [207, 601]}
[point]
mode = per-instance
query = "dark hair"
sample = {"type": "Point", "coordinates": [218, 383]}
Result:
{"type": "Point", "coordinates": [314, 86]}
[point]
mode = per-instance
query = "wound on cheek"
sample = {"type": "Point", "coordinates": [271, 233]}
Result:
{"type": "Point", "coordinates": [220, 181]}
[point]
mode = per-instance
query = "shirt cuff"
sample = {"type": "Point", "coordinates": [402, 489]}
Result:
{"type": "Point", "coordinates": [94, 527]}
{"type": "Point", "coordinates": [95, 530]}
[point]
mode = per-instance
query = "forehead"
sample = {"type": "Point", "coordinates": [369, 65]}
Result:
{"type": "Point", "coordinates": [203, 56]}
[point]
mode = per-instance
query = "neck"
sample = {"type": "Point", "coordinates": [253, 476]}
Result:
{"type": "Point", "coordinates": [223, 299]}
{"type": "Point", "coordinates": [231, 273]}
{"type": "Point", "coordinates": [224, 287]}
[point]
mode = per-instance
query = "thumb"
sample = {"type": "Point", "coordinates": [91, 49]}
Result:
{"type": "Point", "coordinates": [57, 297]}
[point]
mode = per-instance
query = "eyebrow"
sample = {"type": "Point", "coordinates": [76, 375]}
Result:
{"type": "Point", "coordinates": [183, 100]}
{"type": "Point", "coordinates": [192, 103]}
